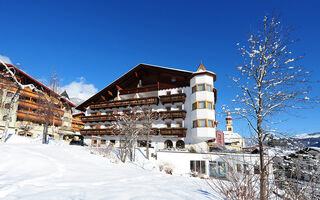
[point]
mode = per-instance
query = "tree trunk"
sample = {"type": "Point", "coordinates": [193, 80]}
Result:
{"type": "Point", "coordinates": [6, 128]}
{"type": "Point", "coordinates": [45, 133]}
{"type": "Point", "coordinates": [147, 150]}
{"type": "Point", "coordinates": [262, 172]}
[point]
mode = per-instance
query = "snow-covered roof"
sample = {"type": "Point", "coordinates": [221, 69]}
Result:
{"type": "Point", "coordinates": [230, 135]}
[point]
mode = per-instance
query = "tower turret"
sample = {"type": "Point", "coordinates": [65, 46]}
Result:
{"type": "Point", "coordinates": [203, 101]}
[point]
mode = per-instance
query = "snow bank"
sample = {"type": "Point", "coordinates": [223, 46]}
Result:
{"type": "Point", "coordinates": [30, 170]}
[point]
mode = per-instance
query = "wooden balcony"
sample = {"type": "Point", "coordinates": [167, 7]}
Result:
{"type": "Point", "coordinates": [125, 103]}
{"type": "Point", "coordinates": [98, 118]}
{"type": "Point", "coordinates": [147, 88]}
{"type": "Point", "coordinates": [106, 131]}
{"type": "Point", "coordinates": [173, 114]}
{"type": "Point", "coordinates": [173, 98]}
{"type": "Point", "coordinates": [26, 116]}
{"type": "Point", "coordinates": [35, 106]}
{"type": "Point", "coordinates": [176, 132]}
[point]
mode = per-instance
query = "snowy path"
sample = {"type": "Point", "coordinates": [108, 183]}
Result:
{"type": "Point", "coordinates": [35, 171]}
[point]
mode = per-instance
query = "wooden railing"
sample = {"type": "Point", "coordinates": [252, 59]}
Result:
{"type": "Point", "coordinates": [148, 88]}
{"type": "Point", "coordinates": [173, 114]}
{"type": "Point", "coordinates": [35, 106]}
{"type": "Point", "coordinates": [98, 118]}
{"type": "Point", "coordinates": [106, 131]}
{"type": "Point", "coordinates": [173, 98]}
{"type": "Point", "coordinates": [125, 103]}
{"type": "Point", "coordinates": [27, 116]}
{"type": "Point", "coordinates": [177, 132]}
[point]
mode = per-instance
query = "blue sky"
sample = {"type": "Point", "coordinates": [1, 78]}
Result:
{"type": "Point", "coordinates": [91, 43]}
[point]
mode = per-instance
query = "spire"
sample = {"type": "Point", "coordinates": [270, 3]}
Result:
{"type": "Point", "coordinates": [65, 94]}
{"type": "Point", "coordinates": [201, 67]}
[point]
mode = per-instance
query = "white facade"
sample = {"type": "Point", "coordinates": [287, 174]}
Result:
{"type": "Point", "coordinates": [195, 136]}
{"type": "Point", "coordinates": [211, 164]}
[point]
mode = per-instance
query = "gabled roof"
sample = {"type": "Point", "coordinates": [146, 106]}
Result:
{"type": "Point", "coordinates": [141, 71]}
{"type": "Point", "coordinates": [37, 83]}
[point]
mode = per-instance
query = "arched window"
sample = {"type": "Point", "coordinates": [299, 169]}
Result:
{"type": "Point", "coordinates": [168, 144]}
{"type": "Point", "coordinates": [180, 144]}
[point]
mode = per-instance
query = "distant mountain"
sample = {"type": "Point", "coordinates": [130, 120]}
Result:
{"type": "Point", "coordinates": [297, 141]}
{"type": "Point", "coordinates": [76, 101]}
{"type": "Point", "coordinates": [310, 140]}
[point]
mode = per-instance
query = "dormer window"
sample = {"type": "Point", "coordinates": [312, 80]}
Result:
{"type": "Point", "coordinates": [168, 92]}
{"type": "Point", "coordinates": [168, 108]}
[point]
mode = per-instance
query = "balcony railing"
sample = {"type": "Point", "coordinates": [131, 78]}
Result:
{"type": "Point", "coordinates": [98, 118]}
{"type": "Point", "coordinates": [125, 103]}
{"type": "Point", "coordinates": [175, 132]}
{"type": "Point", "coordinates": [26, 116]}
{"type": "Point", "coordinates": [173, 98]}
{"type": "Point", "coordinates": [173, 114]}
{"type": "Point", "coordinates": [179, 132]}
{"type": "Point", "coordinates": [35, 106]}
{"type": "Point", "coordinates": [106, 131]}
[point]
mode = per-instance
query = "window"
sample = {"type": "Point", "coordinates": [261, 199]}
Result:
{"type": "Point", "coordinates": [168, 124]}
{"type": "Point", "coordinates": [179, 124]}
{"type": "Point", "coordinates": [210, 123]}
{"type": "Point", "coordinates": [168, 92]}
{"type": "Point", "coordinates": [103, 141]}
{"type": "Point", "coordinates": [179, 107]}
{"type": "Point", "coordinates": [198, 166]}
{"type": "Point", "coordinates": [202, 123]}
{"type": "Point", "coordinates": [201, 105]}
{"type": "Point", "coordinates": [168, 108]}
{"type": "Point", "coordinates": [195, 124]}
{"type": "Point", "coordinates": [9, 94]}
{"type": "Point", "coordinates": [142, 143]}
{"type": "Point", "coordinates": [229, 129]}
{"type": "Point", "coordinates": [209, 105]}
{"type": "Point", "coordinates": [239, 168]}
{"type": "Point", "coordinates": [5, 117]}
{"type": "Point", "coordinates": [256, 169]}
{"type": "Point", "coordinates": [194, 106]}
{"type": "Point", "coordinates": [209, 88]}
{"type": "Point", "coordinates": [7, 106]}
{"type": "Point", "coordinates": [179, 91]}
{"type": "Point", "coordinates": [217, 169]}
{"type": "Point", "coordinates": [112, 142]}
{"type": "Point", "coordinates": [194, 89]}
{"type": "Point", "coordinates": [201, 87]}
{"type": "Point", "coordinates": [180, 144]}
{"type": "Point", "coordinates": [168, 144]}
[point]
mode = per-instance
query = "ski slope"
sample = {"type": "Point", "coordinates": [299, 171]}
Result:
{"type": "Point", "coordinates": [30, 170]}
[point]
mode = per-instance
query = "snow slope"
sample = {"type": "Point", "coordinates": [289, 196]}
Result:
{"type": "Point", "coordinates": [29, 170]}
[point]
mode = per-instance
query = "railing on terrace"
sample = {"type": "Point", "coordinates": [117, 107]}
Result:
{"type": "Point", "coordinates": [27, 116]}
{"type": "Point", "coordinates": [98, 118]}
{"type": "Point", "coordinates": [173, 98]}
{"type": "Point", "coordinates": [35, 106]}
{"type": "Point", "coordinates": [176, 132]}
{"type": "Point", "coordinates": [173, 114]}
{"type": "Point", "coordinates": [124, 103]}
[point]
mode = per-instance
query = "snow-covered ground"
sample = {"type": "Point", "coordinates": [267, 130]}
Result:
{"type": "Point", "coordinates": [30, 170]}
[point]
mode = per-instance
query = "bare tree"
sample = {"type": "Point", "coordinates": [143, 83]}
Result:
{"type": "Point", "coordinates": [127, 128]}
{"type": "Point", "coordinates": [148, 118]}
{"type": "Point", "coordinates": [270, 82]}
{"type": "Point", "coordinates": [10, 74]}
